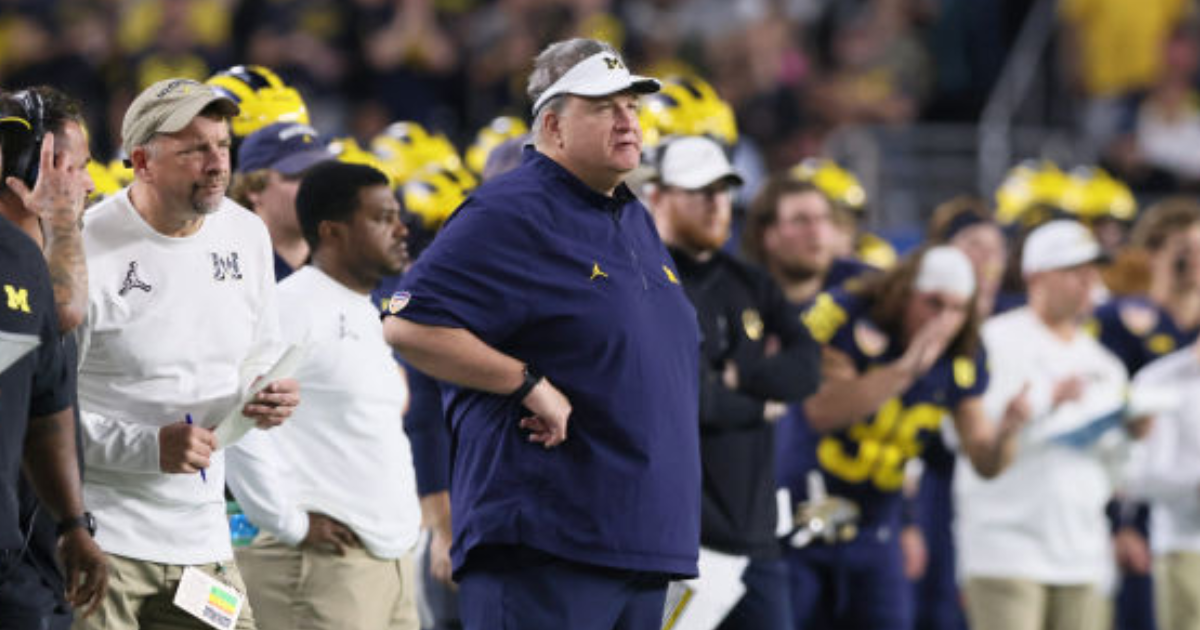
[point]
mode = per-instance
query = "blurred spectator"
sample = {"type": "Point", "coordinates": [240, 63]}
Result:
{"type": "Point", "coordinates": [879, 69]}
{"type": "Point", "coordinates": [411, 62]}
{"type": "Point", "coordinates": [1106, 72]}
{"type": "Point", "coordinates": [1161, 128]}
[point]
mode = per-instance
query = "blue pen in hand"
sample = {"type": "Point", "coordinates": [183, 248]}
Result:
{"type": "Point", "coordinates": [203, 475]}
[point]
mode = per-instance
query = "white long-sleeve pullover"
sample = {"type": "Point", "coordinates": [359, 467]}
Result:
{"type": "Point", "coordinates": [1166, 468]}
{"type": "Point", "coordinates": [174, 326]}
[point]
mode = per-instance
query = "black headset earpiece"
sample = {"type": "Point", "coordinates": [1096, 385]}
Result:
{"type": "Point", "coordinates": [28, 159]}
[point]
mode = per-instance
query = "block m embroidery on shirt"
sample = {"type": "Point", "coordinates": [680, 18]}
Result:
{"type": "Point", "coordinates": [226, 267]}
{"type": "Point", "coordinates": [17, 298]}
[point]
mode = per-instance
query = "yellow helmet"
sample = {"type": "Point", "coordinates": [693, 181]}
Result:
{"type": "Point", "coordinates": [1091, 194]}
{"type": "Point", "coordinates": [491, 136]}
{"type": "Point", "coordinates": [435, 192]}
{"type": "Point", "coordinates": [106, 184]}
{"type": "Point", "coordinates": [121, 172]}
{"type": "Point", "coordinates": [348, 150]}
{"type": "Point", "coordinates": [875, 251]}
{"type": "Point", "coordinates": [262, 96]}
{"type": "Point", "coordinates": [686, 106]}
{"type": "Point", "coordinates": [406, 147]}
{"type": "Point", "coordinates": [837, 183]}
{"type": "Point", "coordinates": [1028, 190]}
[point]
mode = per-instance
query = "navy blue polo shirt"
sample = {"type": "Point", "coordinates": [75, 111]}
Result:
{"type": "Point", "coordinates": [36, 385]}
{"type": "Point", "coordinates": [577, 284]}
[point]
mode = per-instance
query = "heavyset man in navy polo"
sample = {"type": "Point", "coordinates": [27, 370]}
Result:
{"type": "Point", "coordinates": [552, 308]}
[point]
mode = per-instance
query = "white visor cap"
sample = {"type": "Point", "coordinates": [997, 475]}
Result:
{"type": "Point", "coordinates": [946, 269]}
{"type": "Point", "coordinates": [599, 75]}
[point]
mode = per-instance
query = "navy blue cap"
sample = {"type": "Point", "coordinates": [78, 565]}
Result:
{"type": "Point", "coordinates": [290, 148]}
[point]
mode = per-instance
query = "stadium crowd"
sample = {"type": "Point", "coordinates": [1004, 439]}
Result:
{"type": "Point", "coordinates": [496, 230]}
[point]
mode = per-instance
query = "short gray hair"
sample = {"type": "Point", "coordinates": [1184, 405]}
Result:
{"type": "Point", "coordinates": [551, 64]}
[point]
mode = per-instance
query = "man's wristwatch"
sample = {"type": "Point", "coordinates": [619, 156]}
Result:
{"type": "Point", "coordinates": [532, 378]}
{"type": "Point", "coordinates": [85, 520]}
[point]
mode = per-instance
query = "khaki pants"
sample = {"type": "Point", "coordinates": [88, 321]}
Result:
{"type": "Point", "coordinates": [140, 595]}
{"type": "Point", "coordinates": [1177, 590]}
{"type": "Point", "coordinates": [1010, 604]}
{"type": "Point", "coordinates": [303, 589]}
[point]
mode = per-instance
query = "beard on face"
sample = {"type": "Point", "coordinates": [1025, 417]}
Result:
{"type": "Point", "coordinates": [699, 237]}
{"type": "Point", "coordinates": [800, 271]}
{"type": "Point", "coordinates": [202, 203]}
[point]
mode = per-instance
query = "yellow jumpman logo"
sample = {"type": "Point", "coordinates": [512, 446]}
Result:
{"type": "Point", "coordinates": [596, 271]}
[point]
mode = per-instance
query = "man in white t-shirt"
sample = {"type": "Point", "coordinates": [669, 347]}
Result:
{"type": "Point", "coordinates": [181, 316]}
{"type": "Point", "coordinates": [334, 491]}
{"type": "Point", "coordinates": [1033, 542]}
{"type": "Point", "coordinates": [1166, 471]}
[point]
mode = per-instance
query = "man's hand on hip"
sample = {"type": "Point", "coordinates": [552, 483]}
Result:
{"type": "Point", "coordinates": [551, 412]}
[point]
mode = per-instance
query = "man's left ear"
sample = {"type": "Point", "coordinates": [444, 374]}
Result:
{"type": "Point", "coordinates": [331, 230]}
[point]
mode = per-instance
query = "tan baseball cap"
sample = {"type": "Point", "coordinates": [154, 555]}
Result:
{"type": "Point", "coordinates": [168, 106]}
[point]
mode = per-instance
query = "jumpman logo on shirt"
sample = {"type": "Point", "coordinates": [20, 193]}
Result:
{"type": "Point", "coordinates": [597, 272]}
{"type": "Point", "coordinates": [132, 281]}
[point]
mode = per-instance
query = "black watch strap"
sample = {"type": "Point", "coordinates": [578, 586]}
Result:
{"type": "Point", "coordinates": [85, 520]}
{"type": "Point", "coordinates": [532, 378]}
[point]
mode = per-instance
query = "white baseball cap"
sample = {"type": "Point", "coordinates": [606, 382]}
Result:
{"type": "Point", "coordinates": [1059, 245]}
{"type": "Point", "coordinates": [599, 75]}
{"type": "Point", "coordinates": [945, 269]}
{"type": "Point", "coordinates": [693, 162]}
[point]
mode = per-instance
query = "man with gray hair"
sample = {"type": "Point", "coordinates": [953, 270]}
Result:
{"type": "Point", "coordinates": [554, 314]}
{"type": "Point", "coordinates": [181, 315]}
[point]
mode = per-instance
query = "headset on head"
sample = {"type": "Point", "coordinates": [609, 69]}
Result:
{"type": "Point", "coordinates": [24, 129]}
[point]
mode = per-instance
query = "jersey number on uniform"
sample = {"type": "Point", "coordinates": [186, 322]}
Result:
{"type": "Point", "coordinates": [884, 445]}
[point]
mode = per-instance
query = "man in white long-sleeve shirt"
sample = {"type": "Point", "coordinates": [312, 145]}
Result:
{"type": "Point", "coordinates": [181, 314]}
{"type": "Point", "coordinates": [334, 491]}
{"type": "Point", "coordinates": [1033, 542]}
{"type": "Point", "coordinates": [1166, 471]}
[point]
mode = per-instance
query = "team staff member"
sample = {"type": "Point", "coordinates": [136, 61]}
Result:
{"type": "Point", "coordinates": [1165, 473]}
{"type": "Point", "coordinates": [270, 163]}
{"type": "Point", "coordinates": [36, 415]}
{"type": "Point", "coordinates": [901, 352]}
{"type": "Point", "coordinates": [743, 316]}
{"type": "Point", "coordinates": [549, 290]}
{"type": "Point", "coordinates": [1140, 329]}
{"type": "Point", "coordinates": [334, 489]}
{"type": "Point", "coordinates": [181, 314]}
{"type": "Point", "coordinates": [1033, 543]}
{"type": "Point", "coordinates": [45, 188]}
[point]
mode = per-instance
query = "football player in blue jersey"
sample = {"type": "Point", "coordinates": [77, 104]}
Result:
{"type": "Point", "coordinates": [790, 232]}
{"type": "Point", "coordinates": [966, 223]}
{"type": "Point", "coordinates": [900, 351]}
